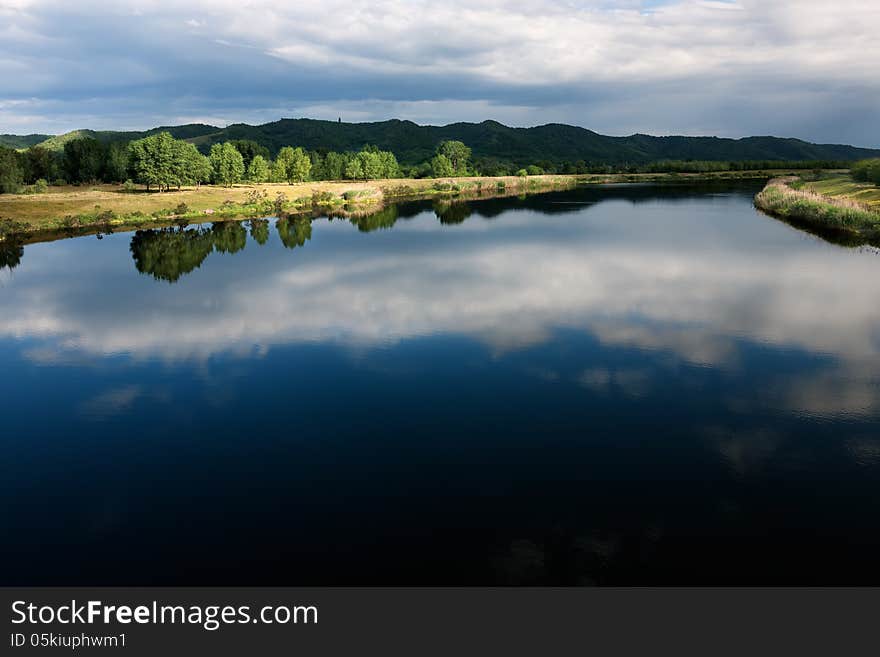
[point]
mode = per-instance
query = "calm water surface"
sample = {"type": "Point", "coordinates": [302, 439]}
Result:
{"type": "Point", "coordinates": [602, 386]}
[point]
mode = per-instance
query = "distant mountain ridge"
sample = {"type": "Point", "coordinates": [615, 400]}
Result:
{"type": "Point", "coordinates": [413, 143]}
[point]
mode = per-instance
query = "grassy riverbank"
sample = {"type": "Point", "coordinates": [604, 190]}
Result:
{"type": "Point", "coordinates": [101, 207]}
{"type": "Point", "coordinates": [98, 206]}
{"type": "Point", "coordinates": [835, 203]}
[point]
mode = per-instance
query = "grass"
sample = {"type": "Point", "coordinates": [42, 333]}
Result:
{"type": "Point", "coordinates": [109, 205]}
{"type": "Point", "coordinates": [101, 206]}
{"type": "Point", "coordinates": [839, 207]}
{"type": "Point", "coordinates": [844, 187]}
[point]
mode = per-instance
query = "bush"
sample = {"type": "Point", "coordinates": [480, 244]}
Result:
{"type": "Point", "coordinates": [60, 182]}
{"type": "Point", "coordinates": [41, 186]}
{"type": "Point", "coordinates": [534, 170]}
{"type": "Point", "coordinates": [280, 202]}
{"type": "Point", "coordinates": [128, 185]}
{"type": "Point", "coordinates": [322, 198]}
{"type": "Point", "coordinates": [182, 208]}
{"type": "Point", "coordinates": [867, 171]}
{"type": "Point", "coordinates": [500, 185]}
{"type": "Point", "coordinates": [256, 196]}
{"type": "Point", "coordinates": [522, 173]}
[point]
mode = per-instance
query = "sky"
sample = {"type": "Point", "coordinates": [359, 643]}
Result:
{"type": "Point", "coordinates": [791, 68]}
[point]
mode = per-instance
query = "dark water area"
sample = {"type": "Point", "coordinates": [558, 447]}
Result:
{"type": "Point", "coordinates": [607, 385]}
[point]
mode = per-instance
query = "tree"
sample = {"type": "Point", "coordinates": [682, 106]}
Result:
{"type": "Point", "coordinates": [390, 167]}
{"type": "Point", "coordinates": [250, 149]}
{"type": "Point", "coordinates": [534, 170]}
{"type": "Point", "coordinates": [11, 171]}
{"type": "Point", "coordinates": [292, 164]}
{"type": "Point", "coordinates": [84, 160]}
{"type": "Point", "coordinates": [116, 164]}
{"type": "Point", "coordinates": [441, 167]}
{"type": "Point", "coordinates": [258, 171]}
{"type": "Point", "coordinates": [333, 167]}
{"type": "Point", "coordinates": [227, 164]}
{"type": "Point", "coordinates": [458, 155]}
{"type": "Point", "coordinates": [354, 168]}
{"type": "Point", "coordinates": [191, 167]}
{"type": "Point", "coordinates": [152, 160]}
{"type": "Point", "coordinates": [867, 171]}
{"type": "Point", "coordinates": [39, 163]}
{"type": "Point", "coordinates": [371, 164]}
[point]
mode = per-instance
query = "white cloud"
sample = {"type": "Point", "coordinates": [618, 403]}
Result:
{"type": "Point", "coordinates": [726, 68]}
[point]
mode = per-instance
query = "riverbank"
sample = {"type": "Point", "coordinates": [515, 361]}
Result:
{"type": "Point", "coordinates": [797, 201]}
{"type": "Point", "coordinates": [76, 210]}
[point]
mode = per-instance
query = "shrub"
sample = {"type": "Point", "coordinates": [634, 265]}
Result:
{"type": "Point", "coordinates": [867, 171]}
{"type": "Point", "coordinates": [182, 208]}
{"type": "Point", "coordinates": [128, 185]}
{"type": "Point", "coordinates": [41, 186]}
{"type": "Point", "coordinates": [522, 173]}
{"type": "Point", "coordinates": [59, 182]}
{"type": "Point", "coordinates": [280, 202]}
{"type": "Point", "coordinates": [500, 185]}
{"type": "Point", "coordinates": [322, 198]}
{"type": "Point", "coordinates": [256, 196]}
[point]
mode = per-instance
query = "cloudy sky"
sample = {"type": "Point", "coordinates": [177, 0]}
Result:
{"type": "Point", "coordinates": [801, 68]}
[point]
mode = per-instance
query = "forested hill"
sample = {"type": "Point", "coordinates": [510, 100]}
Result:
{"type": "Point", "coordinates": [413, 143]}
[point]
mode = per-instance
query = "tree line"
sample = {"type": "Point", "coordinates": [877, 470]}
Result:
{"type": "Point", "coordinates": [161, 162]}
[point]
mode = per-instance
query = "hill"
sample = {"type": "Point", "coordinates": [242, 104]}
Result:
{"type": "Point", "coordinates": [554, 142]}
{"type": "Point", "coordinates": [22, 141]}
{"type": "Point", "coordinates": [188, 131]}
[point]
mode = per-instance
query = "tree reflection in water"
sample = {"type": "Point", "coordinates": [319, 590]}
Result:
{"type": "Point", "coordinates": [451, 212]}
{"type": "Point", "coordinates": [294, 232]}
{"type": "Point", "coordinates": [168, 253]}
{"type": "Point", "coordinates": [11, 253]}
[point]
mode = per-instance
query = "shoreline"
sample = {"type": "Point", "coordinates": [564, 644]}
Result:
{"type": "Point", "coordinates": [837, 219]}
{"type": "Point", "coordinates": [71, 212]}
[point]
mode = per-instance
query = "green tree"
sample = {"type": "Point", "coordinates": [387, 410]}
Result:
{"type": "Point", "coordinates": [258, 171]}
{"type": "Point", "coordinates": [152, 160]}
{"type": "Point", "coordinates": [190, 166]}
{"type": "Point", "coordinates": [354, 168]}
{"type": "Point", "coordinates": [441, 167]}
{"type": "Point", "coordinates": [334, 166]}
{"type": "Point", "coordinates": [116, 165]}
{"type": "Point", "coordinates": [227, 164]}
{"type": "Point", "coordinates": [84, 160]}
{"type": "Point", "coordinates": [458, 155]}
{"type": "Point", "coordinates": [534, 170]}
{"type": "Point", "coordinates": [39, 163]}
{"type": "Point", "coordinates": [292, 164]}
{"type": "Point", "coordinates": [867, 171]}
{"type": "Point", "coordinates": [11, 171]}
{"type": "Point", "coordinates": [390, 167]}
{"type": "Point", "coordinates": [371, 164]}
{"type": "Point", "coordinates": [250, 149]}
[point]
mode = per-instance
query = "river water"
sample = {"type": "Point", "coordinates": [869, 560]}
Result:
{"type": "Point", "coordinates": [606, 385]}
